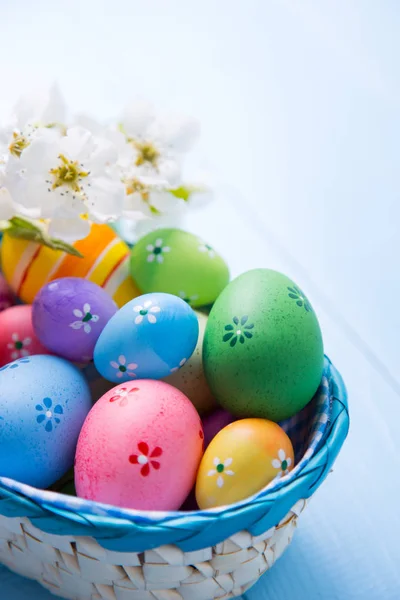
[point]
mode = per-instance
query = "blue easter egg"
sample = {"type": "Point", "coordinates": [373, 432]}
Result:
{"type": "Point", "coordinates": [148, 338]}
{"type": "Point", "coordinates": [44, 401]}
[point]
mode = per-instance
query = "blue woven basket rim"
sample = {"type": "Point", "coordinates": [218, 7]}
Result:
{"type": "Point", "coordinates": [331, 392]}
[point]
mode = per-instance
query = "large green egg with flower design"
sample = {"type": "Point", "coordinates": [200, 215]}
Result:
{"type": "Point", "coordinates": [180, 263]}
{"type": "Point", "coordinates": [263, 351]}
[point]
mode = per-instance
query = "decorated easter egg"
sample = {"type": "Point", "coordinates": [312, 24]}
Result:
{"type": "Point", "coordinates": [139, 447]}
{"type": "Point", "coordinates": [190, 379]}
{"type": "Point", "coordinates": [7, 298]}
{"type": "Point", "coordinates": [150, 337]}
{"type": "Point", "coordinates": [28, 266]}
{"type": "Point", "coordinates": [17, 336]}
{"type": "Point", "coordinates": [241, 460]}
{"type": "Point", "coordinates": [180, 263]}
{"type": "Point", "coordinates": [263, 352]}
{"type": "Point", "coordinates": [213, 423]}
{"type": "Point", "coordinates": [68, 316]}
{"type": "Point", "coordinates": [43, 403]}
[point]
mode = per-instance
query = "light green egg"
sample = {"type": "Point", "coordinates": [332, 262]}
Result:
{"type": "Point", "coordinates": [190, 378]}
{"type": "Point", "coordinates": [263, 351]}
{"type": "Point", "coordinates": [180, 263]}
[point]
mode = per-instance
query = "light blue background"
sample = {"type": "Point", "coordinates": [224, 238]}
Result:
{"type": "Point", "coordinates": [299, 103]}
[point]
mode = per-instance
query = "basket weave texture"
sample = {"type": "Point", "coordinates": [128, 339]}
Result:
{"type": "Point", "coordinates": [88, 551]}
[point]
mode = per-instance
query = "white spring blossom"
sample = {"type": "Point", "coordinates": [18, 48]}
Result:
{"type": "Point", "coordinates": [69, 173]}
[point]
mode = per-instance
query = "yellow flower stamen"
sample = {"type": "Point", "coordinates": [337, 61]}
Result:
{"type": "Point", "coordinates": [147, 153]}
{"type": "Point", "coordinates": [68, 173]}
{"type": "Point", "coordinates": [18, 144]}
{"type": "Point", "coordinates": [133, 186]}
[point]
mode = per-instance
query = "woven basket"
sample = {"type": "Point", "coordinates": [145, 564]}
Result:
{"type": "Point", "coordinates": [89, 551]}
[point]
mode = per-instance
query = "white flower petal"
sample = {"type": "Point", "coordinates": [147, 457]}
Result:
{"type": "Point", "coordinates": [86, 308]}
{"type": "Point", "coordinates": [70, 230]}
{"type": "Point", "coordinates": [151, 318]}
{"type": "Point", "coordinates": [118, 374]}
{"type": "Point", "coordinates": [122, 359]}
{"type": "Point", "coordinates": [158, 243]}
{"type": "Point", "coordinates": [216, 461]}
{"type": "Point", "coordinates": [148, 303]}
{"type": "Point", "coordinates": [151, 257]}
{"type": "Point", "coordinates": [160, 258]}
{"type": "Point", "coordinates": [131, 374]}
{"type": "Point", "coordinates": [27, 341]}
{"type": "Point", "coordinates": [228, 462]}
{"type": "Point", "coordinates": [95, 318]}
{"type": "Point", "coordinates": [174, 369]}
{"type": "Point", "coordinates": [77, 312]}
{"type": "Point", "coordinates": [76, 324]}
{"type": "Point", "coordinates": [24, 352]}
{"type": "Point", "coordinates": [10, 346]}
{"type": "Point", "coordinates": [281, 454]}
{"type": "Point", "coordinates": [155, 309]}
{"type": "Point", "coordinates": [138, 319]}
{"type": "Point", "coordinates": [228, 472]}
{"type": "Point", "coordinates": [276, 463]}
{"type": "Point", "coordinates": [87, 328]}
{"type": "Point", "coordinates": [138, 308]}
{"type": "Point", "coordinates": [150, 248]}
{"type": "Point", "coordinates": [220, 481]}
{"type": "Point", "coordinates": [166, 249]}
{"type": "Point", "coordinates": [211, 473]}
{"type": "Point", "coordinates": [132, 366]}
{"type": "Point", "coordinates": [114, 364]}
{"type": "Point", "coordinates": [14, 355]}
{"type": "Point", "coordinates": [288, 461]}
{"type": "Point", "coordinates": [15, 337]}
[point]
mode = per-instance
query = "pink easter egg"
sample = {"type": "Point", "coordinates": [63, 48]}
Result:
{"type": "Point", "coordinates": [140, 447]}
{"type": "Point", "coordinates": [17, 337]}
{"type": "Point", "coordinates": [214, 422]}
{"type": "Point", "coordinates": [7, 297]}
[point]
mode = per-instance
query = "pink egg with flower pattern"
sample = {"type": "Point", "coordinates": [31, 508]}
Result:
{"type": "Point", "coordinates": [140, 447]}
{"type": "Point", "coordinates": [17, 337]}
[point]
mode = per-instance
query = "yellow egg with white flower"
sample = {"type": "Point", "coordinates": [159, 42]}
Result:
{"type": "Point", "coordinates": [241, 460]}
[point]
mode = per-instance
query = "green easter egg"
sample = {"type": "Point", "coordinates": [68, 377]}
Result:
{"type": "Point", "coordinates": [263, 352]}
{"type": "Point", "coordinates": [180, 263]}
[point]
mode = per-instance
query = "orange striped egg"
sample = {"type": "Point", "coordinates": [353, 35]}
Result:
{"type": "Point", "coordinates": [28, 266]}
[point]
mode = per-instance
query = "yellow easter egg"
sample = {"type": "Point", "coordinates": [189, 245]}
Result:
{"type": "Point", "coordinates": [190, 378]}
{"type": "Point", "coordinates": [28, 266]}
{"type": "Point", "coordinates": [241, 460]}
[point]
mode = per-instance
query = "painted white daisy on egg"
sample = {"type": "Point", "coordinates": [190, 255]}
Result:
{"type": "Point", "coordinates": [86, 318]}
{"type": "Point", "coordinates": [207, 249]}
{"type": "Point", "coordinates": [156, 251]}
{"type": "Point", "coordinates": [147, 311]}
{"type": "Point", "coordinates": [122, 368]}
{"type": "Point", "coordinates": [221, 470]}
{"type": "Point", "coordinates": [282, 463]}
{"type": "Point", "coordinates": [18, 346]}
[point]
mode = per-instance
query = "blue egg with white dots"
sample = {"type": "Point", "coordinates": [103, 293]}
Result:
{"type": "Point", "coordinates": [148, 338]}
{"type": "Point", "coordinates": [44, 401]}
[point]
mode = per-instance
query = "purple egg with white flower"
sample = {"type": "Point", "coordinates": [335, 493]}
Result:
{"type": "Point", "coordinates": [44, 401]}
{"type": "Point", "coordinates": [150, 337]}
{"type": "Point", "coordinates": [68, 316]}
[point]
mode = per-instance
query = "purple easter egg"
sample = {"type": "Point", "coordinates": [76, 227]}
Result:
{"type": "Point", "coordinates": [214, 422]}
{"type": "Point", "coordinates": [68, 316]}
{"type": "Point", "coordinates": [7, 297]}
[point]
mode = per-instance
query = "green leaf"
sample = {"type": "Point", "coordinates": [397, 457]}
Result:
{"type": "Point", "coordinates": [185, 191]}
{"type": "Point", "coordinates": [27, 230]}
